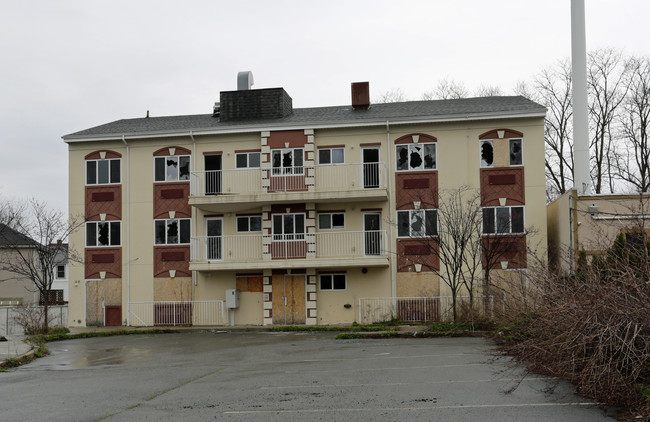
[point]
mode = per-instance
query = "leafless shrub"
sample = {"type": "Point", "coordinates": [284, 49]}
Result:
{"type": "Point", "coordinates": [592, 328]}
{"type": "Point", "coordinates": [30, 319]}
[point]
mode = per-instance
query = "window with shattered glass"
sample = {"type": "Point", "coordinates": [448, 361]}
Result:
{"type": "Point", "coordinates": [172, 168]}
{"type": "Point", "coordinates": [487, 153]}
{"type": "Point", "coordinates": [172, 231]}
{"type": "Point", "coordinates": [417, 223]}
{"type": "Point", "coordinates": [287, 161]}
{"type": "Point", "coordinates": [421, 156]}
{"type": "Point", "coordinates": [103, 233]}
{"type": "Point", "coordinates": [516, 153]}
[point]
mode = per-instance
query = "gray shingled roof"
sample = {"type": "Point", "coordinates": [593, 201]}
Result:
{"type": "Point", "coordinates": [11, 238]}
{"type": "Point", "coordinates": [437, 110]}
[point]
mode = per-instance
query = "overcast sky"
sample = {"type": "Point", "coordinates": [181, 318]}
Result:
{"type": "Point", "coordinates": [71, 65]}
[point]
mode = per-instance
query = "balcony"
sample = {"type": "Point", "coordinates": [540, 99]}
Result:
{"type": "Point", "coordinates": [235, 190]}
{"type": "Point", "coordinates": [310, 250]}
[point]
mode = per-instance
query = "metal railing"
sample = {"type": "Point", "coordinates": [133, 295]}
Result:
{"type": "Point", "coordinates": [198, 312]}
{"type": "Point", "coordinates": [10, 315]}
{"type": "Point", "coordinates": [331, 177]}
{"type": "Point", "coordinates": [418, 309]}
{"type": "Point", "coordinates": [330, 244]}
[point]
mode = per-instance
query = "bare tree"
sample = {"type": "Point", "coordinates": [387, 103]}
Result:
{"type": "Point", "coordinates": [635, 125]}
{"type": "Point", "coordinates": [34, 244]}
{"type": "Point", "coordinates": [465, 251]}
{"type": "Point", "coordinates": [394, 95]}
{"type": "Point", "coordinates": [606, 80]}
{"type": "Point", "coordinates": [447, 89]}
{"type": "Point", "coordinates": [553, 87]}
{"type": "Point", "coordinates": [488, 91]}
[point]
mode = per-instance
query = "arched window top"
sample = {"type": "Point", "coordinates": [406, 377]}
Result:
{"type": "Point", "coordinates": [167, 151]}
{"type": "Point", "coordinates": [501, 134]}
{"type": "Point", "coordinates": [103, 155]}
{"type": "Point", "coordinates": [415, 138]}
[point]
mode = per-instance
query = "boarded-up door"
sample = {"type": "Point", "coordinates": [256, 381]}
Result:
{"type": "Point", "coordinates": [288, 299]}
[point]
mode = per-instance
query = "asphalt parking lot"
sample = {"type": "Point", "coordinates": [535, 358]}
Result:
{"type": "Point", "coordinates": [266, 376]}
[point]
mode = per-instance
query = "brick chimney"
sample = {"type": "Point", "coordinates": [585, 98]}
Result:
{"type": "Point", "coordinates": [360, 95]}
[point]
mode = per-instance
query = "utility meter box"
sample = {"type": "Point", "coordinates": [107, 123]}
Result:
{"type": "Point", "coordinates": [232, 299]}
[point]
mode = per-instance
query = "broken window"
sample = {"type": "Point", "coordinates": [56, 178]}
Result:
{"type": "Point", "coordinates": [172, 231]}
{"type": "Point", "coordinates": [103, 233]}
{"type": "Point", "coordinates": [172, 168]}
{"type": "Point", "coordinates": [287, 161]}
{"type": "Point", "coordinates": [103, 172]}
{"type": "Point", "coordinates": [487, 153]}
{"type": "Point", "coordinates": [417, 223]}
{"type": "Point", "coordinates": [516, 156]}
{"type": "Point", "coordinates": [416, 156]}
{"type": "Point", "coordinates": [503, 220]}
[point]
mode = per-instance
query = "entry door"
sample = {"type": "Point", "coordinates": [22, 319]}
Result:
{"type": "Point", "coordinates": [288, 299]}
{"type": "Point", "coordinates": [371, 167]}
{"type": "Point", "coordinates": [212, 174]}
{"type": "Point", "coordinates": [214, 243]}
{"type": "Point", "coordinates": [372, 233]}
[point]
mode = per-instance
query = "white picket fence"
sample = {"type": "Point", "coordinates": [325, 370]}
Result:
{"type": "Point", "coordinates": [416, 309]}
{"type": "Point", "coordinates": [196, 313]}
{"type": "Point", "coordinates": [8, 315]}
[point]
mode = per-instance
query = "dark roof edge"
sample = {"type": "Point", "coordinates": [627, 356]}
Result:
{"type": "Point", "coordinates": [71, 138]}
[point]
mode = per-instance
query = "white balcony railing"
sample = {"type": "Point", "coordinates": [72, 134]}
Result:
{"type": "Point", "coordinates": [203, 312]}
{"type": "Point", "coordinates": [335, 177]}
{"type": "Point", "coordinates": [249, 248]}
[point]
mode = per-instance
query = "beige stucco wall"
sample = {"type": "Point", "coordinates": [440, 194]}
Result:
{"type": "Point", "coordinates": [458, 165]}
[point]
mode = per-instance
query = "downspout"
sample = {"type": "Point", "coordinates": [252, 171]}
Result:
{"type": "Point", "coordinates": [194, 228]}
{"type": "Point", "coordinates": [573, 220]}
{"type": "Point", "coordinates": [391, 207]}
{"type": "Point", "coordinates": [128, 234]}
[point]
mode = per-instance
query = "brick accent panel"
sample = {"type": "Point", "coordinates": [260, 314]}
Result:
{"type": "Point", "coordinates": [296, 139]}
{"type": "Point", "coordinates": [167, 258]}
{"type": "Point", "coordinates": [502, 183]}
{"type": "Point", "coordinates": [416, 186]}
{"type": "Point", "coordinates": [171, 197]}
{"type": "Point", "coordinates": [103, 199]}
{"type": "Point", "coordinates": [103, 259]}
{"type": "Point", "coordinates": [507, 248]}
{"type": "Point", "coordinates": [163, 152]}
{"type": "Point", "coordinates": [411, 252]}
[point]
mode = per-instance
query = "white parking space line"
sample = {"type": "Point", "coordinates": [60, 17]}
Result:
{"type": "Point", "coordinates": [391, 384]}
{"type": "Point", "coordinates": [398, 409]}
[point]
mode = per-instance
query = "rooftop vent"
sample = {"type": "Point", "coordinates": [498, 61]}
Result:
{"type": "Point", "coordinates": [216, 110]}
{"type": "Point", "coordinates": [244, 80]}
{"type": "Point", "coordinates": [360, 95]}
